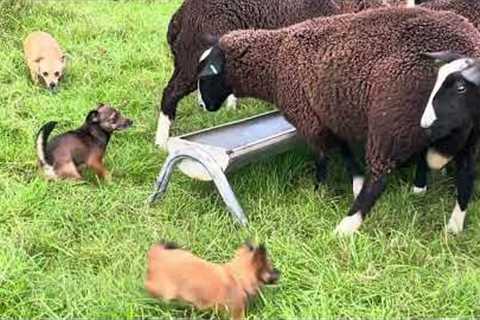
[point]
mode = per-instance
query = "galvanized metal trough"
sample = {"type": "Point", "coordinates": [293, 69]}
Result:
{"type": "Point", "coordinates": [211, 153]}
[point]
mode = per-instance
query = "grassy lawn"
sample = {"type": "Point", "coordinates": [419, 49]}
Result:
{"type": "Point", "coordinates": [77, 250]}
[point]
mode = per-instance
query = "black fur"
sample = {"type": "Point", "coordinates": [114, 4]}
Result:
{"type": "Point", "coordinates": [169, 245]}
{"type": "Point", "coordinates": [46, 130]}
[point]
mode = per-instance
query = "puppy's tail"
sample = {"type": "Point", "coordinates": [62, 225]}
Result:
{"type": "Point", "coordinates": [41, 143]}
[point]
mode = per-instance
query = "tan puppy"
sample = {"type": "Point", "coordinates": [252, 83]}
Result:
{"type": "Point", "coordinates": [177, 274]}
{"type": "Point", "coordinates": [44, 58]}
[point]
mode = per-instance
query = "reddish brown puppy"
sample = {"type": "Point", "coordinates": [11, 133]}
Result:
{"type": "Point", "coordinates": [67, 154]}
{"type": "Point", "coordinates": [177, 274]}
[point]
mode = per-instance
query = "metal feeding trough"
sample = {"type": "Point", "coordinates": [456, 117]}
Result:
{"type": "Point", "coordinates": [211, 153]}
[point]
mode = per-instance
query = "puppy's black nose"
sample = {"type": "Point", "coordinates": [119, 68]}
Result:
{"type": "Point", "coordinates": [52, 85]}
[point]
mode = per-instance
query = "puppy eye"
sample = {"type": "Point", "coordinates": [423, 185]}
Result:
{"type": "Point", "coordinates": [45, 74]}
{"type": "Point", "coordinates": [57, 74]}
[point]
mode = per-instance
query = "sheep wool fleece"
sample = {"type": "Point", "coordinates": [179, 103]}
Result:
{"type": "Point", "coordinates": [359, 77]}
{"type": "Point", "coordinates": [470, 9]}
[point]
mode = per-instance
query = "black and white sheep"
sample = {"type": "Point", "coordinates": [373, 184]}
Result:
{"type": "Point", "coordinates": [355, 78]}
{"type": "Point", "coordinates": [196, 18]}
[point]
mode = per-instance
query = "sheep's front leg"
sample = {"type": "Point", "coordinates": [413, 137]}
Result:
{"type": "Point", "coordinates": [420, 183]}
{"type": "Point", "coordinates": [179, 86]}
{"type": "Point", "coordinates": [362, 205]}
{"type": "Point", "coordinates": [321, 163]}
{"type": "Point", "coordinates": [353, 168]}
{"type": "Point", "coordinates": [464, 181]}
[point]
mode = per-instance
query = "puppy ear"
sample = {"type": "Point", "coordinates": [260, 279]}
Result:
{"type": "Point", "coordinates": [92, 117]}
{"type": "Point", "coordinates": [38, 59]}
{"type": "Point", "coordinates": [442, 57]}
{"type": "Point", "coordinates": [260, 255]}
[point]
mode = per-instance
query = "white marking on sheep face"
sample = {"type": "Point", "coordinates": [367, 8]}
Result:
{"type": "Point", "coordinates": [436, 160]}
{"type": "Point", "coordinates": [349, 225]}
{"type": "Point", "coordinates": [429, 116]}
{"type": "Point", "coordinates": [201, 103]}
{"type": "Point", "coordinates": [455, 224]}
{"type": "Point", "coordinates": [163, 131]}
{"type": "Point", "coordinates": [205, 54]}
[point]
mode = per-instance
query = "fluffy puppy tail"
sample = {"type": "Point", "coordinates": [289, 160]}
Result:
{"type": "Point", "coordinates": [41, 144]}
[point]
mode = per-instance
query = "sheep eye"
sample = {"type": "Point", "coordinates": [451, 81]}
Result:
{"type": "Point", "coordinates": [57, 74]}
{"type": "Point", "coordinates": [461, 89]}
{"type": "Point", "coordinates": [45, 74]}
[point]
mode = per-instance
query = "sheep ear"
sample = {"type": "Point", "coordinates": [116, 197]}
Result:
{"type": "Point", "coordinates": [472, 75]}
{"type": "Point", "coordinates": [443, 57]}
{"type": "Point", "coordinates": [210, 39]}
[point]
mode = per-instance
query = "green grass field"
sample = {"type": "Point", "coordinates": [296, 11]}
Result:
{"type": "Point", "coordinates": [77, 250]}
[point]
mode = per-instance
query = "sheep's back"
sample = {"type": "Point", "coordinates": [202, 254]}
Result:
{"type": "Point", "coordinates": [358, 69]}
{"type": "Point", "coordinates": [470, 9]}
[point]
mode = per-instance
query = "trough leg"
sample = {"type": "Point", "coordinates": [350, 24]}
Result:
{"type": "Point", "coordinates": [213, 169]}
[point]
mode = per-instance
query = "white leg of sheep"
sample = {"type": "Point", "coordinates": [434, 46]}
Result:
{"type": "Point", "coordinates": [464, 181]}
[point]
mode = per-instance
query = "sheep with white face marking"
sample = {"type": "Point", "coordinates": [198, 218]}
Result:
{"type": "Point", "coordinates": [357, 78]}
{"type": "Point", "coordinates": [452, 120]}
{"type": "Point", "coordinates": [196, 18]}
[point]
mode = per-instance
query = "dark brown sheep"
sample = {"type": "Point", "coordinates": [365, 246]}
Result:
{"type": "Point", "coordinates": [195, 18]}
{"type": "Point", "coordinates": [354, 78]}
{"type": "Point", "coordinates": [470, 9]}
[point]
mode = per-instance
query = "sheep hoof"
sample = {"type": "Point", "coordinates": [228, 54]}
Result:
{"type": "Point", "coordinates": [455, 224]}
{"type": "Point", "coordinates": [357, 185]}
{"type": "Point", "coordinates": [232, 102]}
{"type": "Point", "coordinates": [419, 190]}
{"type": "Point", "coordinates": [349, 225]}
{"type": "Point", "coordinates": [163, 131]}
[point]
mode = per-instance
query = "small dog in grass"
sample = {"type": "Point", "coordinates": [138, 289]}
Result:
{"type": "Point", "coordinates": [67, 154]}
{"type": "Point", "coordinates": [177, 274]}
{"type": "Point", "coordinates": [44, 58]}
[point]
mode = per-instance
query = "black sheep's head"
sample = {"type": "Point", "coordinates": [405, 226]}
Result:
{"type": "Point", "coordinates": [454, 102]}
{"type": "Point", "coordinates": [212, 87]}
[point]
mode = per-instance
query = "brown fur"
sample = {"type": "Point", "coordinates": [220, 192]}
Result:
{"type": "Point", "coordinates": [66, 155]}
{"type": "Point", "coordinates": [44, 58]}
{"type": "Point", "coordinates": [470, 9]}
{"type": "Point", "coordinates": [178, 274]}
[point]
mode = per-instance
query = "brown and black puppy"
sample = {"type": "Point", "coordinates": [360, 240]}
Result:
{"type": "Point", "coordinates": [177, 274]}
{"type": "Point", "coordinates": [67, 154]}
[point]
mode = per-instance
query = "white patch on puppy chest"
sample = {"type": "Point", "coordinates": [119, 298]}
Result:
{"type": "Point", "coordinates": [429, 116]}
{"type": "Point", "coordinates": [457, 219]}
{"type": "Point", "coordinates": [436, 160]}
{"type": "Point", "coordinates": [205, 54]}
{"type": "Point", "coordinates": [349, 225]}
{"type": "Point", "coordinates": [231, 102]}
{"type": "Point", "coordinates": [163, 131]}
{"type": "Point", "coordinates": [357, 185]}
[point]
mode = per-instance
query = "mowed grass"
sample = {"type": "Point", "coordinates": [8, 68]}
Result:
{"type": "Point", "coordinates": [77, 250]}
